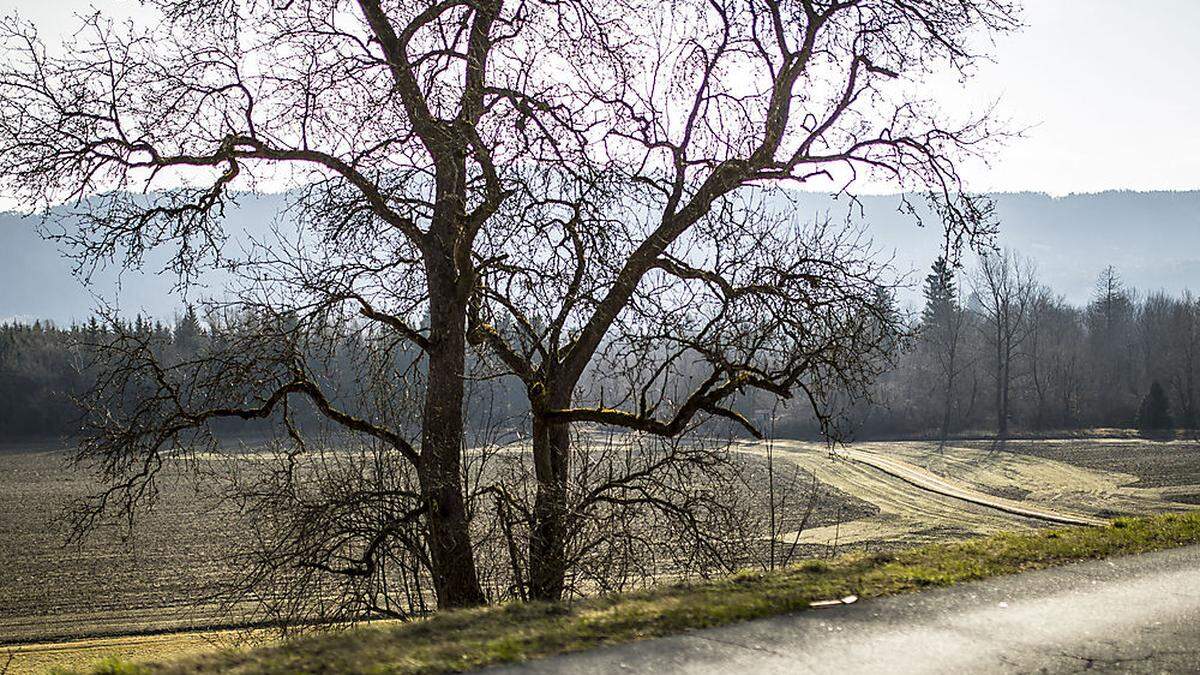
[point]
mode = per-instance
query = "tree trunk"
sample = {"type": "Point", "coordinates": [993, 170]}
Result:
{"type": "Point", "coordinates": [946, 410]}
{"type": "Point", "coordinates": [453, 562]}
{"type": "Point", "coordinates": [548, 533]}
{"type": "Point", "coordinates": [1005, 381]}
{"type": "Point", "coordinates": [1001, 423]}
{"type": "Point", "coordinates": [948, 402]}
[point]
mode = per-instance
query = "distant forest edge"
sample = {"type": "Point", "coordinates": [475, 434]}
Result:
{"type": "Point", "coordinates": [993, 349]}
{"type": "Point", "coordinates": [50, 374]}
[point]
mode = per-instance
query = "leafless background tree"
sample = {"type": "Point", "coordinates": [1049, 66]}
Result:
{"type": "Point", "coordinates": [1067, 367]}
{"type": "Point", "coordinates": [1007, 290]}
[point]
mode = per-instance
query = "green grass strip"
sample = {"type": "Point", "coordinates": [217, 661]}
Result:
{"type": "Point", "coordinates": [463, 640]}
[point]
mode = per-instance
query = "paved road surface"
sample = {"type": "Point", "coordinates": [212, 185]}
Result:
{"type": "Point", "coordinates": [1133, 614]}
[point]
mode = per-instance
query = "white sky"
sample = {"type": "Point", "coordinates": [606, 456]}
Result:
{"type": "Point", "coordinates": [1106, 87]}
{"type": "Point", "coordinates": [1110, 86]}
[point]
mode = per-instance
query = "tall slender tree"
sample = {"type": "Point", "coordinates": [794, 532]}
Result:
{"type": "Point", "coordinates": [1110, 318]}
{"type": "Point", "coordinates": [943, 325]}
{"type": "Point", "coordinates": [1007, 290]}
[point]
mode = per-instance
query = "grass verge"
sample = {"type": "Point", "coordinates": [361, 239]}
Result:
{"type": "Point", "coordinates": [463, 640]}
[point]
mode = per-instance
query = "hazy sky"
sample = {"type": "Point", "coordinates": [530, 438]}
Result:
{"type": "Point", "coordinates": [1106, 87]}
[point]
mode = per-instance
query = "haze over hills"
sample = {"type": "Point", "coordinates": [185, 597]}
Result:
{"type": "Point", "coordinates": [37, 280]}
{"type": "Point", "coordinates": [1153, 238]}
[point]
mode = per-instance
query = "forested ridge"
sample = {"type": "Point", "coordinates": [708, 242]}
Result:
{"type": "Point", "coordinates": [992, 350]}
{"type": "Point", "coordinates": [1073, 236]}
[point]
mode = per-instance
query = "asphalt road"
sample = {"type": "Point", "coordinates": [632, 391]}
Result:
{"type": "Point", "coordinates": [1132, 614]}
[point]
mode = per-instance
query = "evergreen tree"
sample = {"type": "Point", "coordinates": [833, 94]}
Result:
{"type": "Point", "coordinates": [941, 293]}
{"type": "Point", "coordinates": [188, 332]}
{"type": "Point", "coordinates": [941, 336]}
{"type": "Point", "coordinates": [1111, 333]}
{"type": "Point", "coordinates": [1155, 412]}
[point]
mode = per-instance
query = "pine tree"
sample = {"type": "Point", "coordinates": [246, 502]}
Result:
{"type": "Point", "coordinates": [942, 323]}
{"type": "Point", "coordinates": [941, 294]}
{"type": "Point", "coordinates": [1155, 412]}
{"type": "Point", "coordinates": [188, 332]}
{"type": "Point", "coordinates": [1110, 324]}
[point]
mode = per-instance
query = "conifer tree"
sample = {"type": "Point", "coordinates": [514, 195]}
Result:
{"type": "Point", "coordinates": [940, 291]}
{"type": "Point", "coordinates": [1155, 412]}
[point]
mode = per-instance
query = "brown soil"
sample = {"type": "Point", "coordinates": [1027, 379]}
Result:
{"type": "Point", "coordinates": [1152, 463]}
{"type": "Point", "coordinates": [161, 575]}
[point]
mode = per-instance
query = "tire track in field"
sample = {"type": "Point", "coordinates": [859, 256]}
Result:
{"type": "Point", "coordinates": [926, 480]}
{"type": "Point", "coordinates": [906, 512]}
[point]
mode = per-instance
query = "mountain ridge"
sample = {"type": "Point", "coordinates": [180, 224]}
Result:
{"type": "Point", "coordinates": [1152, 237]}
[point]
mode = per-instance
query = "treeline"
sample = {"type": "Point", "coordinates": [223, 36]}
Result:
{"type": "Point", "coordinates": [40, 371]}
{"type": "Point", "coordinates": [994, 350]}
{"type": "Point", "coordinates": [47, 370]}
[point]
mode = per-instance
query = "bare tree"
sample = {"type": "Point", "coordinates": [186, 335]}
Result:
{"type": "Point", "coordinates": [1054, 365]}
{"type": "Point", "coordinates": [1007, 291]}
{"type": "Point", "coordinates": [1168, 337]}
{"type": "Point", "coordinates": [402, 128]}
{"type": "Point", "coordinates": [677, 257]}
{"type": "Point", "coordinates": [574, 187]}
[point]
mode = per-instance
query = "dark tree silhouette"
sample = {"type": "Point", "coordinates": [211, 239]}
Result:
{"type": "Point", "coordinates": [940, 292]}
{"type": "Point", "coordinates": [1154, 415]}
{"type": "Point", "coordinates": [942, 330]}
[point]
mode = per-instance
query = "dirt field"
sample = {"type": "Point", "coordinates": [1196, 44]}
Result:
{"type": "Point", "coordinates": [112, 584]}
{"type": "Point", "coordinates": [157, 581]}
{"type": "Point", "coordinates": [1153, 463]}
{"type": "Point", "coordinates": [1101, 476]}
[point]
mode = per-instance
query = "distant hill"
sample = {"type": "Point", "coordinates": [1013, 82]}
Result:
{"type": "Point", "coordinates": [1153, 238]}
{"type": "Point", "coordinates": [37, 281]}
